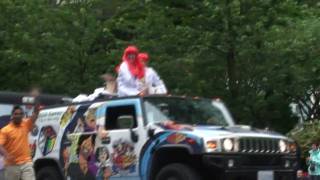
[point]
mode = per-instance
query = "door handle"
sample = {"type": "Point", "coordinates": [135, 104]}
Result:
{"type": "Point", "coordinates": [134, 136]}
{"type": "Point", "coordinates": [106, 140]}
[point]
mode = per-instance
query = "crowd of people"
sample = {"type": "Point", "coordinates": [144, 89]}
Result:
{"type": "Point", "coordinates": [313, 165]}
{"type": "Point", "coordinates": [134, 77]}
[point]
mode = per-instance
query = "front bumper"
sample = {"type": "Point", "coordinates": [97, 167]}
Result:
{"type": "Point", "coordinates": [253, 174]}
{"type": "Point", "coordinates": [247, 166]}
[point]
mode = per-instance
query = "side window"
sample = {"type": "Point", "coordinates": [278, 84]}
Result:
{"type": "Point", "coordinates": [121, 117]}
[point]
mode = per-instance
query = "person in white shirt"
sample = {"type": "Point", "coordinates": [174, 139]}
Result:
{"type": "Point", "coordinates": [131, 75]}
{"type": "Point", "coordinates": [109, 89]}
{"type": "Point", "coordinates": [152, 80]}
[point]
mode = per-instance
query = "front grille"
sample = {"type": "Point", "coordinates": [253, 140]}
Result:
{"type": "Point", "coordinates": [261, 160]}
{"type": "Point", "coordinates": [258, 145]}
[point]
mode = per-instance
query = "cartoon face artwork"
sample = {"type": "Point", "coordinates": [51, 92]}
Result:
{"type": "Point", "coordinates": [67, 116]}
{"type": "Point", "coordinates": [124, 158]}
{"type": "Point", "coordinates": [102, 156]}
{"type": "Point", "coordinates": [80, 161]}
{"type": "Point", "coordinates": [86, 122]}
{"type": "Point", "coordinates": [47, 139]}
{"type": "Point", "coordinates": [103, 161]}
{"type": "Point", "coordinates": [71, 142]}
{"type": "Point", "coordinates": [86, 148]}
{"type": "Point", "coordinates": [83, 156]}
{"type": "Point", "coordinates": [90, 119]}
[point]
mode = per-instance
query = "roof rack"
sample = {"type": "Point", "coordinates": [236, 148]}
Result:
{"type": "Point", "coordinates": [17, 98]}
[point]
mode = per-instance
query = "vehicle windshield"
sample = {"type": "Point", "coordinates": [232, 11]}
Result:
{"type": "Point", "coordinates": [184, 111]}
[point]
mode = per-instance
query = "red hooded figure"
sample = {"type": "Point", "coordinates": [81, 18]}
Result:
{"type": "Point", "coordinates": [152, 79]}
{"type": "Point", "coordinates": [130, 56]}
{"type": "Point", "coordinates": [143, 57]}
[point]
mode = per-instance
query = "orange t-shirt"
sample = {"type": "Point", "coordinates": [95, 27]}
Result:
{"type": "Point", "coordinates": [15, 141]}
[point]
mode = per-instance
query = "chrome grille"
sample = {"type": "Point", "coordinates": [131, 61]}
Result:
{"type": "Point", "coordinates": [259, 145]}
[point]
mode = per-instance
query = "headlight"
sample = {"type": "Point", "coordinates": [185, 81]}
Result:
{"type": "Point", "coordinates": [212, 145]}
{"type": "Point", "coordinates": [228, 144]}
{"type": "Point", "coordinates": [282, 146]}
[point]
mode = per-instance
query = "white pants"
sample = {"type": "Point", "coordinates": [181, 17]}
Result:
{"type": "Point", "coordinates": [1, 174]}
{"type": "Point", "coordinates": [19, 172]}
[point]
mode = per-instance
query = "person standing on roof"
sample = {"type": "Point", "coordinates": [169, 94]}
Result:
{"type": "Point", "coordinates": [131, 75]}
{"type": "Point", "coordinates": [153, 81]}
{"type": "Point", "coordinates": [109, 89]}
{"type": "Point", "coordinates": [14, 145]}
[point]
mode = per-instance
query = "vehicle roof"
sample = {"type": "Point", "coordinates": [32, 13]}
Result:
{"type": "Point", "coordinates": [7, 97]}
{"type": "Point", "coordinates": [110, 98]}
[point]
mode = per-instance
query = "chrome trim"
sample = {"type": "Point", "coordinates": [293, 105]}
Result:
{"type": "Point", "coordinates": [258, 145]}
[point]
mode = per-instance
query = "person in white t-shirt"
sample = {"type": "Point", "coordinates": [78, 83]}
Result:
{"type": "Point", "coordinates": [109, 89]}
{"type": "Point", "coordinates": [152, 80]}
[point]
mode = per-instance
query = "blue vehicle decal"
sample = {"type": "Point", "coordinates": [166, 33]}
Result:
{"type": "Point", "coordinates": [162, 139]}
{"type": "Point", "coordinates": [70, 128]}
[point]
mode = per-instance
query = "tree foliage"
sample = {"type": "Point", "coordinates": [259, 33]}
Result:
{"type": "Point", "coordinates": [257, 55]}
{"type": "Point", "coordinates": [306, 135]}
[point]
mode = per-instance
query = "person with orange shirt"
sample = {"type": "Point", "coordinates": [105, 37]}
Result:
{"type": "Point", "coordinates": [14, 145]}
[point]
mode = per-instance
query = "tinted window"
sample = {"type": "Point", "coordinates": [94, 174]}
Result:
{"type": "Point", "coordinates": [121, 117]}
{"type": "Point", "coordinates": [184, 110]}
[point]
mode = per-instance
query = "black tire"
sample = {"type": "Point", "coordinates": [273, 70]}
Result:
{"type": "Point", "coordinates": [48, 173]}
{"type": "Point", "coordinates": [177, 171]}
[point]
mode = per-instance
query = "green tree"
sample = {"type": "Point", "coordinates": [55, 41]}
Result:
{"type": "Point", "coordinates": [216, 48]}
{"type": "Point", "coordinates": [258, 55]}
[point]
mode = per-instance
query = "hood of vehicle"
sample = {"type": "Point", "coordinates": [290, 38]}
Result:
{"type": "Point", "coordinates": [233, 131]}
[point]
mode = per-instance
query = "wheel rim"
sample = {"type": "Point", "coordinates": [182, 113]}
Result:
{"type": "Point", "coordinates": [45, 177]}
{"type": "Point", "coordinates": [172, 178]}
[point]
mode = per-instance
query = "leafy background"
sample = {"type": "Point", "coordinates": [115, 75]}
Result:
{"type": "Point", "coordinates": [259, 56]}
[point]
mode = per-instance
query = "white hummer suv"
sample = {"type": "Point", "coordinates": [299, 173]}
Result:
{"type": "Point", "coordinates": [155, 138]}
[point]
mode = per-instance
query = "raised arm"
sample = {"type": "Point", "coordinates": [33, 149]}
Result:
{"type": "Point", "coordinates": [157, 82]}
{"type": "Point", "coordinates": [35, 113]}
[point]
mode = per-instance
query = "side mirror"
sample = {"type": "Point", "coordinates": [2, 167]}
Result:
{"type": "Point", "coordinates": [150, 132]}
{"type": "Point", "coordinates": [133, 135]}
{"type": "Point", "coordinates": [28, 100]}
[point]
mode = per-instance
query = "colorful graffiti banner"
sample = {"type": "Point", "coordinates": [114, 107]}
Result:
{"type": "Point", "coordinates": [47, 139]}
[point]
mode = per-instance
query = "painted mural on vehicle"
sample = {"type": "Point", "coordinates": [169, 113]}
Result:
{"type": "Point", "coordinates": [84, 156]}
{"type": "Point", "coordinates": [80, 156]}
